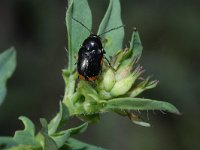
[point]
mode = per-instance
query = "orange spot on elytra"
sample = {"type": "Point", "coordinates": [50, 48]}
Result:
{"type": "Point", "coordinates": [87, 79]}
{"type": "Point", "coordinates": [81, 77]}
{"type": "Point", "coordinates": [101, 61]}
{"type": "Point", "coordinates": [92, 78]}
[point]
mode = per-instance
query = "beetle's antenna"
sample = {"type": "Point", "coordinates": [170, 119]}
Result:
{"type": "Point", "coordinates": [82, 24]}
{"type": "Point", "coordinates": [111, 30]}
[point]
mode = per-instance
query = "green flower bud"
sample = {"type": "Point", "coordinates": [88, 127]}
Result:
{"type": "Point", "coordinates": [109, 79]}
{"type": "Point", "coordinates": [151, 84]}
{"type": "Point", "coordinates": [123, 86]}
{"type": "Point", "coordinates": [123, 72]}
{"type": "Point", "coordinates": [145, 85]}
{"type": "Point", "coordinates": [104, 95]}
{"type": "Point", "coordinates": [117, 59]}
{"type": "Point", "coordinates": [136, 92]}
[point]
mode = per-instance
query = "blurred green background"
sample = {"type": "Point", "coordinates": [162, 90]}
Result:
{"type": "Point", "coordinates": [169, 31]}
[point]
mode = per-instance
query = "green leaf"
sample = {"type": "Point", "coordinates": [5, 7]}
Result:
{"type": "Point", "coordinates": [26, 136]}
{"type": "Point", "coordinates": [73, 144]}
{"type": "Point", "coordinates": [112, 19]}
{"type": "Point", "coordinates": [6, 142]}
{"type": "Point", "coordinates": [79, 129]}
{"type": "Point", "coordinates": [87, 90]}
{"type": "Point", "coordinates": [61, 137]}
{"type": "Point", "coordinates": [49, 143]}
{"type": "Point", "coordinates": [94, 118]}
{"type": "Point", "coordinates": [79, 9]}
{"type": "Point", "coordinates": [136, 46]}
{"type": "Point", "coordinates": [7, 67]}
{"type": "Point", "coordinates": [28, 125]}
{"type": "Point", "coordinates": [23, 147]}
{"type": "Point", "coordinates": [140, 104]}
{"type": "Point", "coordinates": [59, 119]}
{"type": "Point", "coordinates": [88, 108]}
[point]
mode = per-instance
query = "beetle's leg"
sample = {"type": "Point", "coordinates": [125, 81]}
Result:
{"type": "Point", "coordinates": [104, 52]}
{"type": "Point", "coordinates": [108, 61]}
{"type": "Point", "coordinates": [109, 64]}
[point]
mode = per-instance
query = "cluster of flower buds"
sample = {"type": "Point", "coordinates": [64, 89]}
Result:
{"type": "Point", "coordinates": [120, 80]}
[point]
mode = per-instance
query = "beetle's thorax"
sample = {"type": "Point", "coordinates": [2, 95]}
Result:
{"type": "Point", "coordinates": [93, 42]}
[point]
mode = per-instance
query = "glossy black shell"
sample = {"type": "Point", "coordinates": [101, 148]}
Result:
{"type": "Point", "coordinates": [90, 56]}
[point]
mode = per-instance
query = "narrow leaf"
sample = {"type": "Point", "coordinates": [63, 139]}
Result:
{"type": "Point", "coordinates": [112, 19]}
{"type": "Point", "coordinates": [26, 136]}
{"type": "Point", "coordinates": [24, 147]}
{"type": "Point", "coordinates": [136, 45]}
{"type": "Point", "coordinates": [79, 129]}
{"type": "Point", "coordinates": [6, 142]}
{"type": "Point", "coordinates": [60, 118]}
{"type": "Point", "coordinates": [7, 67]}
{"type": "Point", "coordinates": [94, 118]}
{"type": "Point", "coordinates": [140, 104]}
{"type": "Point", "coordinates": [49, 143]}
{"type": "Point", "coordinates": [72, 144]}
{"type": "Point", "coordinates": [28, 125]}
{"type": "Point", "coordinates": [61, 137]}
{"type": "Point", "coordinates": [78, 9]}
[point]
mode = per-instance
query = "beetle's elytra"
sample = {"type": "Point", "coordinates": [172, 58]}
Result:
{"type": "Point", "coordinates": [90, 58]}
{"type": "Point", "coordinates": [90, 55]}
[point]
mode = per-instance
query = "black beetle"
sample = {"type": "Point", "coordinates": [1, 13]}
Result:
{"type": "Point", "coordinates": [90, 55]}
{"type": "Point", "coordinates": [90, 58]}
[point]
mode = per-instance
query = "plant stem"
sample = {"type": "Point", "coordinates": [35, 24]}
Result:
{"type": "Point", "coordinates": [69, 92]}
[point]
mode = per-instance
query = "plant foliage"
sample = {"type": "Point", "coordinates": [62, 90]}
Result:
{"type": "Point", "coordinates": [117, 88]}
